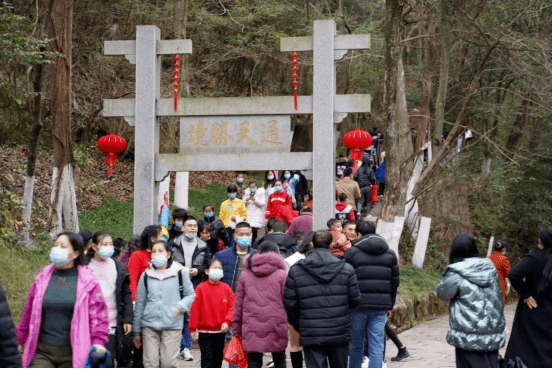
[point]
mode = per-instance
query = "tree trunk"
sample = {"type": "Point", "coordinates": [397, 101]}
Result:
{"type": "Point", "coordinates": [517, 135]}
{"type": "Point", "coordinates": [534, 138]}
{"type": "Point", "coordinates": [444, 74]}
{"type": "Point", "coordinates": [36, 129]}
{"type": "Point", "coordinates": [63, 201]}
{"type": "Point", "coordinates": [398, 142]}
{"type": "Point", "coordinates": [487, 165]}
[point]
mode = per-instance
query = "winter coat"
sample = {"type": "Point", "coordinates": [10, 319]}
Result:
{"type": "Point", "coordinates": [213, 306]}
{"type": "Point", "coordinates": [241, 187]}
{"type": "Point", "coordinates": [256, 217]}
{"type": "Point", "coordinates": [351, 189]}
{"type": "Point", "coordinates": [9, 356]}
{"type": "Point", "coordinates": [531, 333]}
{"type": "Point", "coordinates": [230, 208]}
{"type": "Point", "coordinates": [217, 228]}
{"type": "Point", "coordinates": [229, 259]}
{"type": "Point", "coordinates": [138, 263]}
{"type": "Point", "coordinates": [155, 308]}
{"type": "Point", "coordinates": [503, 268]}
{"type": "Point", "coordinates": [123, 299]}
{"type": "Point", "coordinates": [286, 243]}
{"type": "Point", "coordinates": [89, 325]}
{"type": "Point", "coordinates": [370, 153]}
{"type": "Point", "coordinates": [259, 315]}
{"type": "Point", "coordinates": [318, 294]}
{"type": "Point", "coordinates": [276, 200]}
{"type": "Point", "coordinates": [340, 244]}
{"type": "Point", "coordinates": [287, 214]}
{"type": "Point", "coordinates": [476, 315]}
{"type": "Point", "coordinates": [376, 267]}
{"type": "Point", "coordinates": [301, 186]}
{"type": "Point", "coordinates": [173, 233]}
{"type": "Point", "coordinates": [200, 257]}
{"type": "Point", "coordinates": [344, 211]}
{"type": "Point", "coordinates": [381, 173]}
{"type": "Point", "coordinates": [365, 177]}
{"type": "Point", "coordinates": [302, 223]}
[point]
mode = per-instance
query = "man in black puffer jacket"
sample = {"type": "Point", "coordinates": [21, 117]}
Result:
{"type": "Point", "coordinates": [9, 356]}
{"type": "Point", "coordinates": [286, 243]}
{"type": "Point", "coordinates": [378, 276]}
{"type": "Point", "coordinates": [318, 294]}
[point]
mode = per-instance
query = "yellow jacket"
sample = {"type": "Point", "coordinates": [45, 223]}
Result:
{"type": "Point", "coordinates": [230, 208]}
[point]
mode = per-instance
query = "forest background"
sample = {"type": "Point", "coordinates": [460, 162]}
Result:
{"type": "Point", "coordinates": [483, 65]}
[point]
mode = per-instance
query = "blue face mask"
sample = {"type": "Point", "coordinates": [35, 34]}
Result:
{"type": "Point", "coordinates": [245, 241]}
{"type": "Point", "coordinates": [253, 190]}
{"type": "Point", "coordinates": [106, 252]}
{"type": "Point", "coordinates": [216, 274]}
{"type": "Point", "coordinates": [190, 236]}
{"type": "Point", "coordinates": [278, 188]}
{"type": "Point", "coordinates": [159, 260]}
{"type": "Point", "coordinates": [59, 256]}
{"type": "Point", "coordinates": [239, 180]}
{"type": "Point", "coordinates": [209, 215]}
{"type": "Point", "coordinates": [178, 225]}
{"type": "Point", "coordinates": [287, 176]}
{"type": "Point", "coordinates": [232, 196]}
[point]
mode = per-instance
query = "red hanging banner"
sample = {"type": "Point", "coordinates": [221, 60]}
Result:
{"type": "Point", "coordinates": [176, 79]}
{"type": "Point", "coordinates": [295, 82]}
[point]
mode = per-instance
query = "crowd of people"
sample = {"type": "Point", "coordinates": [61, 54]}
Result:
{"type": "Point", "coordinates": [260, 272]}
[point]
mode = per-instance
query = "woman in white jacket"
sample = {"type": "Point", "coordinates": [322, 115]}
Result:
{"type": "Point", "coordinates": [255, 202]}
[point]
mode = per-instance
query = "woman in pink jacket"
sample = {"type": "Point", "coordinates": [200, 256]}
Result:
{"type": "Point", "coordinates": [65, 312]}
{"type": "Point", "coordinates": [259, 315]}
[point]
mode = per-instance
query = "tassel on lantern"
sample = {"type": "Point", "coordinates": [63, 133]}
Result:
{"type": "Point", "coordinates": [176, 80]}
{"type": "Point", "coordinates": [295, 76]}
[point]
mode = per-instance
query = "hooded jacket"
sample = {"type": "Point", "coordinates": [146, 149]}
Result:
{"type": "Point", "coordinates": [318, 294]}
{"type": "Point", "coordinates": [9, 356]}
{"type": "Point", "coordinates": [376, 267]}
{"type": "Point", "coordinates": [286, 243]}
{"type": "Point", "coordinates": [302, 223]}
{"type": "Point", "coordinates": [365, 178]}
{"type": "Point", "coordinates": [89, 325]}
{"type": "Point", "coordinates": [200, 257]}
{"type": "Point", "coordinates": [259, 315]}
{"type": "Point", "coordinates": [155, 308]}
{"type": "Point", "coordinates": [256, 216]}
{"type": "Point", "coordinates": [344, 211]}
{"type": "Point", "coordinates": [476, 315]}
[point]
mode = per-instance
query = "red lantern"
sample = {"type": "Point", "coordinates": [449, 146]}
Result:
{"type": "Point", "coordinates": [112, 145]}
{"type": "Point", "coordinates": [357, 140]}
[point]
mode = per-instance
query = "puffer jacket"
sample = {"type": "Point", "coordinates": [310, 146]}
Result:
{"type": "Point", "coordinates": [377, 271]}
{"type": "Point", "coordinates": [256, 215]}
{"type": "Point", "coordinates": [259, 315]}
{"type": "Point", "coordinates": [217, 228]}
{"type": "Point", "coordinates": [476, 315]}
{"type": "Point", "coordinates": [365, 178]}
{"type": "Point", "coordinates": [286, 243]}
{"type": "Point", "coordinates": [229, 259]}
{"type": "Point", "coordinates": [155, 307]}
{"type": "Point", "coordinates": [318, 294]}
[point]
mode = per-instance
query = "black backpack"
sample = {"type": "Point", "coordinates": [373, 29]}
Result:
{"type": "Point", "coordinates": [181, 288]}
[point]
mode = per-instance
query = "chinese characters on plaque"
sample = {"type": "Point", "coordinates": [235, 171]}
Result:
{"type": "Point", "coordinates": [235, 134]}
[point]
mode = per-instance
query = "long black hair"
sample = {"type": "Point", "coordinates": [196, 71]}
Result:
{"type": "Point", "coordinates": [305, 245]}
{"type": "Point", "coordinates": [545, 283]}
{"type": "Point", "coordinates": [266, 246]}
{"type": "Point", "coordinates": [463, 247]}
{"type": "Point", "coordinates": [146, 237]}
{"type": "Point", "coordinates": [96, 239]}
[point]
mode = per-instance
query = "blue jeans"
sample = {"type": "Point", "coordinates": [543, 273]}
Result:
{"type": "Point", "coordinates": [186, 338]}
{"type": "Point", "coordinates": [372, 322]}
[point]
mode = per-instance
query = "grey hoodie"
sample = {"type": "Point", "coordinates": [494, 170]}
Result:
{"type": "Point", "coordinates": [476, 315]}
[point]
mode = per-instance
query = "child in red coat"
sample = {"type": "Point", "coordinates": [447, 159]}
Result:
{"type": "Point", "coordinates": [340, 242]}
{"type": "Point", "coordinates": [211, 315]}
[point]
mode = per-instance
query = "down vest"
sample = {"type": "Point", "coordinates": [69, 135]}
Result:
{"type": "Point", "coordinates": [377, 272]}
{"type": "Point", "coordinates": [319, 292]}
{"type": "Point", "coordinates": [259, 315]}
{"type": "Point", "coordinates": [476, 315]}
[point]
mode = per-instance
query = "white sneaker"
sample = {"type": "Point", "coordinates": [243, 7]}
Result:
{"type": "Point", "coordinates": [271, 364]}
{"type": "Point", "coordinates": [186, 355]}
{"type": "Point", "coordinates": [365, 362]}
{"type": "Point", "coordinates": [385, 364]}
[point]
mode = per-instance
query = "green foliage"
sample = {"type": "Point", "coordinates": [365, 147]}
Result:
{"type": "Point", "coordinates": [415, 282]}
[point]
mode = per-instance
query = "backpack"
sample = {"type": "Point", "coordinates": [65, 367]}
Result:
{"type": "Point", "coordinates": [181, 288]}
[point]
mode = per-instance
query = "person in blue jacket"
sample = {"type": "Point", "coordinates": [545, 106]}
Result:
{"type": "Point", "coordinates": [381, 177]}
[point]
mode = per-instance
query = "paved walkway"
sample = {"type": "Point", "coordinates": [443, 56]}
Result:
{"type": "Point", "coordinates": [426, 343]}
